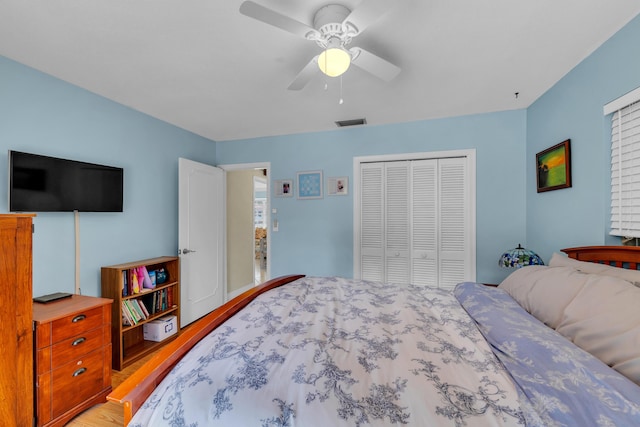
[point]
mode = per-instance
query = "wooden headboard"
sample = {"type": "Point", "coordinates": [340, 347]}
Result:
{"type": "Point", "coordinates": [617, 256]}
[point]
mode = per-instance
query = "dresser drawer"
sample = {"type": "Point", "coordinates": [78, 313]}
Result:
{"type": "Point", "coordinates": [74, 324]}
{"type": "Point", "coordinates": [75, 347]}
{"type": "Point", "coordinates": [76, 381]}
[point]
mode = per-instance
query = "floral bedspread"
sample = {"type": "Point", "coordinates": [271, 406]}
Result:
{"type": "Point", "coordinates": [564, 384]}
{"type": "Point", "coordinates": [338, 352]}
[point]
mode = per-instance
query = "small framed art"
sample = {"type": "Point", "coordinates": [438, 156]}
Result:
{"type": "Point", "coordinates": [338, 186]}
{"type": "Point", "coordinates": [283, 187]}
{"type": "Point", "coordinates": [310, 185]}
{"type": "Point", "coordinates": [553, 167]}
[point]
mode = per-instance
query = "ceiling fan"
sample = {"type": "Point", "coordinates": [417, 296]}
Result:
{"type": "Point", "coordinates": [334, 26]}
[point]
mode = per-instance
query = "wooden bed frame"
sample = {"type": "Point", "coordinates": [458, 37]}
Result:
{"type": "Point", "coordinates": [617, 256]}
{"type": "Point", "coordinates": [133, 392]}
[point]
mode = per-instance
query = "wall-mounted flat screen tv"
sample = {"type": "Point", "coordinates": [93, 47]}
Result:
{"type": "Point", "coordinates": [47, 184]}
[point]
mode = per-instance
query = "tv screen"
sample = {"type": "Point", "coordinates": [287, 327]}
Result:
{"type": "Point", "coordinates": [48, 184]}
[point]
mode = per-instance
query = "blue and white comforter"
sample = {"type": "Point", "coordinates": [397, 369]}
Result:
{"type": "Point", "coordinates": [566, 385]}
{"type": "Point", "coordinates": [338, 352]}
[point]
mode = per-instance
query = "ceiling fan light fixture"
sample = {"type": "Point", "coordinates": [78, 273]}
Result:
{"type": "Point", "coordinates": [334, 61]}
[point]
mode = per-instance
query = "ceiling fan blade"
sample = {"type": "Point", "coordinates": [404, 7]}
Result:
{"type": "Point", "coordinates": [271, 17]}
{"type": "Point", "coordinates": [305, 76]}
{"type": "Point", "coordinates": [373, 64]}
{"type": "Point", "coordinates": [367, 12]}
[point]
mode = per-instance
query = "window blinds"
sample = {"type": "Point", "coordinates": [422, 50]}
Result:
{"type": "Point", "coordinates": [625, 171]}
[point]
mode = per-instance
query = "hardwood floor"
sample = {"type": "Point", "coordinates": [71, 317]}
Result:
{"type": "Point", "coordinates": [107, 414]}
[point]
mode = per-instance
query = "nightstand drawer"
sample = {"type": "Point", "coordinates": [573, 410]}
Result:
{"type": "Point", "coordinates": [76, 323]}
{"type": "Point", "coordinates": [76, 381]}
{"type": "Point", "coordinates": [75, 347]}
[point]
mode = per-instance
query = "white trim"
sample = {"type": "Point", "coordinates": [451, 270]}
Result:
{"type": "Point", "coordinates": [470, 155]}
{"type": "Point", "coordinates": [413, 156]}
{"type": "Point", "coordinates": [623, 101]}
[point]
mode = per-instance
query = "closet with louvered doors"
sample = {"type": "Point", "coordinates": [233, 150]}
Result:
{"type": "Point", "coordinates": [416, 222]}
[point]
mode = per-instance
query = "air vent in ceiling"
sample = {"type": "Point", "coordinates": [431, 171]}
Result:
{"type": "Point", "coordinates": [354, 122]}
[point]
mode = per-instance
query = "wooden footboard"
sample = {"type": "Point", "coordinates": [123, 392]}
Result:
{"type": "Point", "coordinates": [134, 390]}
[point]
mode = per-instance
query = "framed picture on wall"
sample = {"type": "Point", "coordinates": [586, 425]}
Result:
{"type": "Point", "coordinates": [283, 187]}
{"type": "Point", "coordinates": [553, 167]}
{"type": "Point", "coordinates": [310, 185]}
{"type": "Point", "coordinates": [338, 186]}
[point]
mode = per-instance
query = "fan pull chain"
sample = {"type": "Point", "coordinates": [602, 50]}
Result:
{"type": "Point", "coordinates": [326, 85]}
{"type": "Point", "coordinates": [341, 101]}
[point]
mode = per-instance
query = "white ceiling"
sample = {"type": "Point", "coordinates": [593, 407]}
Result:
{"type": "Point", "coordinates": [204, 67]}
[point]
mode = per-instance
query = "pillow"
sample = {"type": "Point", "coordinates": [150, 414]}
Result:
{"type": "Point", "coordinates": [604, 320]}
{"type": "Point", "coordinates": [559, 260]}
{"type": "Point", "coordinates": [544, 291]}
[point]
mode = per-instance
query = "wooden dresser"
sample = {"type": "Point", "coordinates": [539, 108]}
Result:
{"type": "Point", "coordinates": [16, 347]}
{"type": "Point", "coordinates": [72, 357]}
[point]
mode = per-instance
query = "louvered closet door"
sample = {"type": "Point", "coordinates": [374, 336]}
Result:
{"type": "Point", "coordinates": [371, 222]}
{"type": "Point", "coordinates": [415, 222]}
{"type": "Point", "coordinates": [424, 220]}
{"type": "Point", "coordinates": [397, 228]}
{"type": "Point", "coordinates": [454, 262]}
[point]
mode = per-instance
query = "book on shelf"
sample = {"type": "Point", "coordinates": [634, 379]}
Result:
{"type": "Point", "coordinates": [148, 304]}
{"type": "Point", "coordinates": [136, 309]}
{"type": "Point", "coordinates": [138, 280]}
{"type": "Point", "coordinates": [143, 307]}
{"type": "Point", "coordinates": [125, 283]}
{"type": "Point", "coordinates": [126, 317]}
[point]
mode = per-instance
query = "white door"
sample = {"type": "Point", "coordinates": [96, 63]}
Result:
{"type": "Point", "coordinates": [415, 221]}
{"type": "Point", "coordinates": [397, 229]}
{"type": "Point", "coordinates": [425, 217]}
{"type": "Point", "coordinates": [200, 239]}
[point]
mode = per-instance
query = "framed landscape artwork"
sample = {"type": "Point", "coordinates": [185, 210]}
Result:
{"type": "Point", "coordinates": [553, 167]}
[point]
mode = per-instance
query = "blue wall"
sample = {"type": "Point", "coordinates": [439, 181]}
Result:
{"type": "Point", "coordinates": [572, 109]}
{"type": "Point", "coordinates": [43, 115]}
{"type": "Point", "coordinates": [316, 236]}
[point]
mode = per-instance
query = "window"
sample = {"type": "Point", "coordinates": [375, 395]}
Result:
{"type": "Point", "coordinates": [625, 165]}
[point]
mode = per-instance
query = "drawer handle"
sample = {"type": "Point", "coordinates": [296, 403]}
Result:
{"type": "Point", "coordinates": [79, 341]}
{"type": "Point", "coordinates": [79, 372]}
{"type": "Point", "coordinates": [78, 318]}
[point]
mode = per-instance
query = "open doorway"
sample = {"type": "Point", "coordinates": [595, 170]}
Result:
{"type": "Point", "coordinates": [260, 224]}
{"type": "Point", "coordinates": [247, 219]}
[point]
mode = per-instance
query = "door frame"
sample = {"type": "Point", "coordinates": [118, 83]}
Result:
{"type": "Point", "coordinates": [245, 166]}
{"type": "Point", "coordinates": [469, 154]}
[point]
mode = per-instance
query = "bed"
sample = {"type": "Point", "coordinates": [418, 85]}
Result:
{"type": "Point", "coordinates": [556, 345]}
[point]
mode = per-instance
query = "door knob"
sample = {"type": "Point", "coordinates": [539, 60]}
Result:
{"type": "Point", "coordinates": [184, 251]}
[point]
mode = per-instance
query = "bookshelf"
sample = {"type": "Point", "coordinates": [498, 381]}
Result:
{"type": "Point", "coordinates": [132, 308]}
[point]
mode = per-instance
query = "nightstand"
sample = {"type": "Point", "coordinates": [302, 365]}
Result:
{"type": "Point", "coordinates": [72, 354]}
